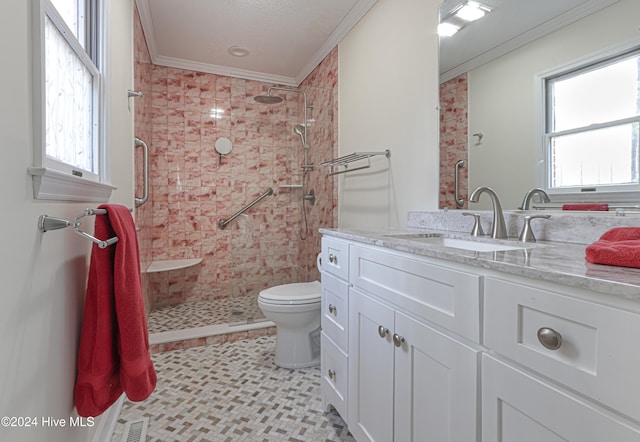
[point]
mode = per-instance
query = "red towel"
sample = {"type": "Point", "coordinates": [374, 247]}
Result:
{"type": "Point", "coordinates": [619, 247]}
{"type": "Point", "coordinates": [586, 207]}
{"type": "Point", "coordinates": [114, 346]}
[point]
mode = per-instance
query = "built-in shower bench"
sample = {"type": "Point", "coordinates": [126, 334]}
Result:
{"type": "Point", "coordinates": [166, 265]}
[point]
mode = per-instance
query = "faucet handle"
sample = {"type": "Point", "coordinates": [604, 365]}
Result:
{"type": "Point", "coordinates": [477, 225]}
{"type": "Point", "coordinates": [527, 234]}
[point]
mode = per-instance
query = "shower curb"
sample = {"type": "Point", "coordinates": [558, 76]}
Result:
{"type": "Point", "coordinates": [207, 335]}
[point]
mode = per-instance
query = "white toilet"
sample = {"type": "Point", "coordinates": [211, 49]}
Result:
{"type": "Point", "coordinates": [295, 309]}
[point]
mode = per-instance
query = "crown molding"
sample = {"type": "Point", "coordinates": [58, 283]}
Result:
{"type": "Point", "coordinates": [224, 70]}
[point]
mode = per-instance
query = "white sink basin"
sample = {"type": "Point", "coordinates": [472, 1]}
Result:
{"type": "Point", "coordinates": [456, 243]}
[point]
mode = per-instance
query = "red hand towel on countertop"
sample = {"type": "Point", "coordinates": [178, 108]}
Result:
{"type": "Point", "coordinates": [619, 247]}
{"type": "Point", "coordinates": [114, 348]}
{"type": "Point", "coordinates": [586, 207]}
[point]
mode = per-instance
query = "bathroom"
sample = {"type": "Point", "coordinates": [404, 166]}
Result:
{"type": "Point", "coordinates": [387, 99]}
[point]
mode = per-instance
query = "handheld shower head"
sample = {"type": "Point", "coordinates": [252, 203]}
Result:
{"type": "Point", "coordinates": [301, 130]}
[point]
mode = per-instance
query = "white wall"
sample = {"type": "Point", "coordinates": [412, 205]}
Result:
{"type": "Point", "coordinates": [43, 276]}
{"type": "Point", "coordinates": [501, 99]}
{"type": "Point", "coordinates": [388, 98]}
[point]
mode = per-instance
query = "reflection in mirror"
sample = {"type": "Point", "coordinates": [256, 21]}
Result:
{"type": "Point", "coordinates": [492, 92]}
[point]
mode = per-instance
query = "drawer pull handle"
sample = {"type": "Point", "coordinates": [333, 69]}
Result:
{"type": "Point", "coordinates": [382, 331]}
{"type": "Point", "coordinates": [332, 374]}
{"type": "Point", "coordinates": [332, 309]}
{"type": "Point", "coordinates": [333, 259]}
{"type": "Point", "coordinates": [549, 338]}
{"type": "Point", "coordinates": [397, 339]}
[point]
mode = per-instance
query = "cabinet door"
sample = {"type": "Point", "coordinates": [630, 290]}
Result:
{"type": "Point", "coordinates": [370, 386]}
{"type": "Point", "coordinates": [518, 407]}
{"type": "Point", "coordinates": [436, 380]}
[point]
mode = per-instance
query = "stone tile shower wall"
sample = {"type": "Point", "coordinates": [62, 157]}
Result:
{"type": "Point", "coordinates": [191, 189]}
{"type": "Point", "coordinates": [142, 115]}
{"type": "Point", "coordinates": [453, 140]}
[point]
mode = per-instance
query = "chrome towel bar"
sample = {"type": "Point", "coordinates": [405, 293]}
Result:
{"type": "Point", "coordinates": [222, 223]}
{"type": "Point", "coordinates": [46, 223]}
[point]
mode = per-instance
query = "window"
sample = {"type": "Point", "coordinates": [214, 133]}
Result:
{"type": "Point", "coordinates": [68, 102]}
{"type": "Point", "coordinates": [592, 131]}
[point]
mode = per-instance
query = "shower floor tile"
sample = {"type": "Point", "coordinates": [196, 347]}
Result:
{"type": "Point", "coordinates": [233, 392]}
{"type": "Point", "coordinates": [194, 314]}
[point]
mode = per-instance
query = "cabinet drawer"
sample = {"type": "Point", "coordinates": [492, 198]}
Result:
{"type": "Point", "coordinates": [447, 297]}
{"type": "Point", "coordinates": [334, 375]}
{"type": "Point", "coordinates": [335, 257]}
{"type": "Point", "coordinates": [599, 352]}
{"type": "Point", "coordinates": [335, 310]}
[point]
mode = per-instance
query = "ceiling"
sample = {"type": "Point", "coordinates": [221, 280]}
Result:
{"type": "Point", "coordinates": [286, 39]}
{"type": "Point", "coordinates": [510, 25]}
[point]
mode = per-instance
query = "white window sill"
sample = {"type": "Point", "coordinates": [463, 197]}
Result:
{"type": "Point", "coordinates": [49, 184]}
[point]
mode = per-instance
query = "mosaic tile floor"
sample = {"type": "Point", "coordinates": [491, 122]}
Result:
{"type": "Point", "coordinates": [200, 313]}
{"type": "Point", "coordinates": [233, 392]}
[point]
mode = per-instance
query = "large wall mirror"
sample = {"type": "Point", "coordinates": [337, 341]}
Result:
{"type": "Point", "coordinates": [488, 91]}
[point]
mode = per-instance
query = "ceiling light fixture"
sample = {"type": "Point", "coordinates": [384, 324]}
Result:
{"type": "Point", "coordinates": [238, 51]}
{"type": "Point", "coordinates": [465, 12]}
{"type": "Point", "coordinates": [471, 11]}
{"type": "Point", "coordinates": [446, 29]}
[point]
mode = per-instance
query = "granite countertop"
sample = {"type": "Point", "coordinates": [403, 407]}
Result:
{"type": "Point", "coordinates": [552, 261]}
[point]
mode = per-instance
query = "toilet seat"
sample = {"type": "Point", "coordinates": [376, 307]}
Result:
{"type": "Point", "coordinates": [292, 294]}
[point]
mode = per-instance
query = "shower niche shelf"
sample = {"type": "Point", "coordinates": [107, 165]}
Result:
{"type": "Point", "coordinates": [166, 265]}
{"type": "Point", "coordinates": [290, 186]}
{"type": "Point", "coordinates": [346, 160]}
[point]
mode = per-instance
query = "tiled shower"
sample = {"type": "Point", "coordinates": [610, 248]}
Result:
{"type": "Point", "coordinates": [453, 141]}
{"type": "Point", "coordinates": [181, 116]}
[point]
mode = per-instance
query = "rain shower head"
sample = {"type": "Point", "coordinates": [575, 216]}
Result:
{"type": "Point", "coordinates": [267, 99]}
{"type": "Point", "coordinates": [301, 130]}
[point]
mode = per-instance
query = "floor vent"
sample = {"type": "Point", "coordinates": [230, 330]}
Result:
{"type": "Point", "coordinates": [136, 431]}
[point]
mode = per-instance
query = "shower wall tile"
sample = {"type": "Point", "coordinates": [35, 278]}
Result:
{"type": "Point", "coordinates": [453, 140]}
{"type": "Point", "coordinates": [193, 188]}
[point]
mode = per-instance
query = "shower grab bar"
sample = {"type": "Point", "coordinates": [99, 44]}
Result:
{"type": "Point", "coordinates": [222, 223]}
{"type": "Point", "coordinates": [459, 200]}
{"type": "Point", "coordinates": [46, 223]}
{"type": "Point", "coordinates": [356, 156]}
{"type": "Point", "coordinates": [145, 167]}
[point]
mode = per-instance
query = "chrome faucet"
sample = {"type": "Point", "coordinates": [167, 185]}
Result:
{"type": "Point", "coordinates": [544, 197]}
{"type": "Point", "coordinates": [498, 229]}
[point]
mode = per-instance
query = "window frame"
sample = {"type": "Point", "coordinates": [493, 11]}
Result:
{"type": "Point", "coordinates": [54, 179]}
{"type": "Point", "coordinates": [617, 193]}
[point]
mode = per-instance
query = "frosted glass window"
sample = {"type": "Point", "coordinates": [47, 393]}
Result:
{"type": "Point", "coordinates": [593, 126]}
{"type": "Point", "coordinates": [69, 152]}
{"type": "Point", "coordinates": [69, 103]}
{"type": "Point", "coordinates": [72, 12]}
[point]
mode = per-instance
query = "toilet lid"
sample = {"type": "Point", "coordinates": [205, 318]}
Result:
{"type": "Point", "coordinates": [296, 293]}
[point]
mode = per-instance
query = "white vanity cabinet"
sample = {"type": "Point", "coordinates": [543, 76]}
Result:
{"type": "Point", "coordinates": [411, 379]}
{"type": "Point", "coordinates": [562, 367]}
{"type": "Point", "coordinates": [334, 349]}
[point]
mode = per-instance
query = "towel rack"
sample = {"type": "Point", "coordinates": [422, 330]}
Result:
{"type": "Point", "coordinates": [351, 158]}
{"type": "Point", "coordinates": [46, 223]}
{"type": "Point", "coordinates": [612, 207]}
